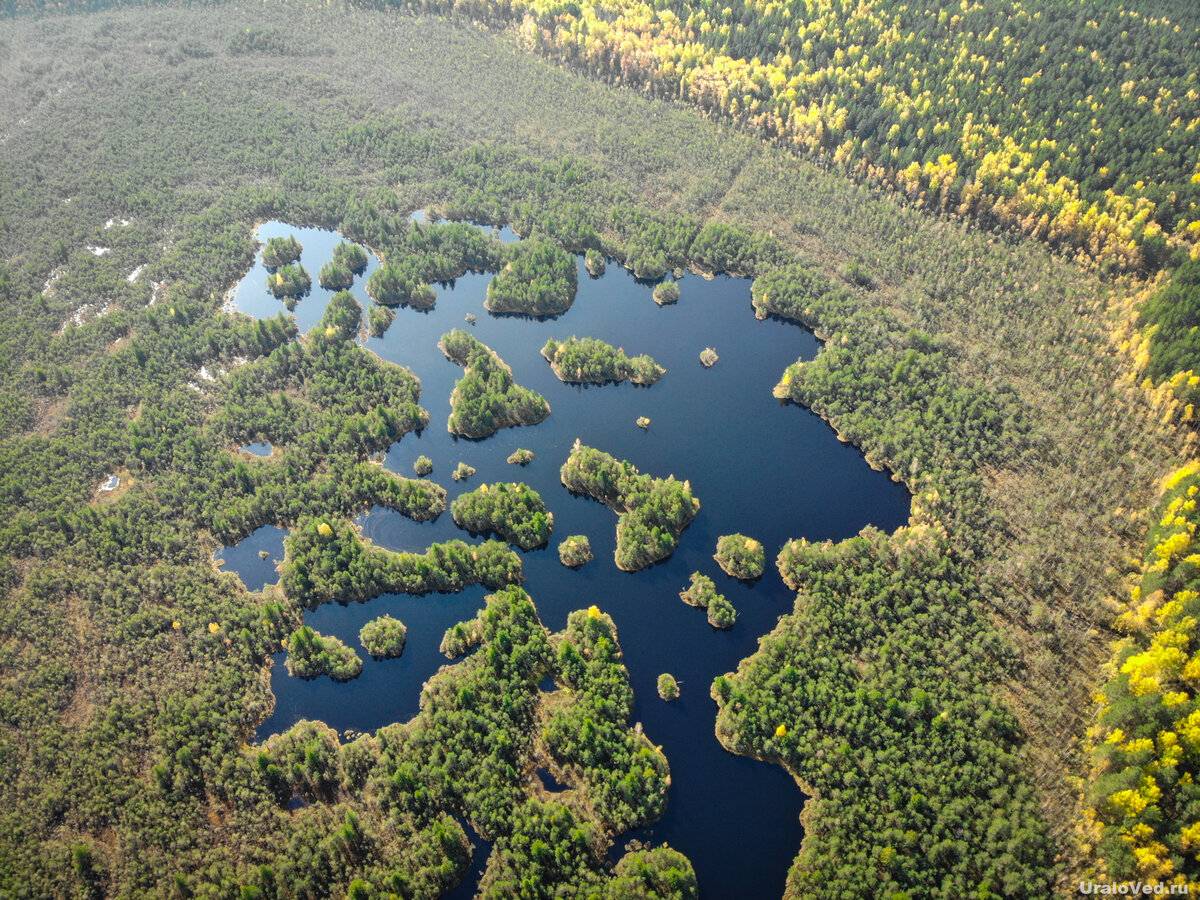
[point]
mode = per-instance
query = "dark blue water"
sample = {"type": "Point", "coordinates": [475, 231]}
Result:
{"type": "Point", "coordinates": [770, 470]}
{"type": "Point", "coordinates": [246, 560]}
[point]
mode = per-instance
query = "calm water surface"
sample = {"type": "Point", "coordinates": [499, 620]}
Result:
{"type": "Point", "coordinates": [771, 470]}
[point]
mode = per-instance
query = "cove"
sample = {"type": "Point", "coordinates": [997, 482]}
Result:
{"type": "Point", "coordinates": [770, 470]}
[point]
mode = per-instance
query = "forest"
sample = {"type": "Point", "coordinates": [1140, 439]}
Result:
{"type": "Point", "coordinates": [1144, 804]}
{"type": "Point", "coordinates": [923, 684]}
{"type": "Point", "coordinates": [1097, 159]}
{"type": "Point", "coordinates": [851, 685]}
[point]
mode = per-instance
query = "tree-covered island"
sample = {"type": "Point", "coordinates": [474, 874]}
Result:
{"type": "Point", "coordinates": [335, 276]}
{"type": "Point", "coordinates": [579, 360]}
{"type": "Point", "coordinates": [652, 512]}
{"type": "Point", "coordinates": [311, 654]}
{"type": "Point", "coordinates": [702, 592]}
{"type": "Point", "coordinates": [515, 512]}
{"type": "Point", "coordinates": [575, 551]}
{"type": "Point", "coordinates": [280, 251]}
{"type": "Point", "coordinates": [538, 279]}
{"type": "Point", "coordinates": [351, 256]}
{"type": "Point", "coordinates": [668, 687]}
{"type": "Point", "coordinates": [289, 281]}
{"type": "Point", "coordinates": [384, 638]}
{"type": "Point", "coordinates": [595, 263]}
{"type": "Point", "coordinates": [379, 320]}
{"type": "Point", "coordinates": [740, 556]}
{"type": "Point", "coordinates": [486, 398]}
{"type": "Point", "coordinates": [666, 292]}
{"type": "Point", "coordinates": [326, 560]}
{"type": "Point", "coordinates": [391, 285]}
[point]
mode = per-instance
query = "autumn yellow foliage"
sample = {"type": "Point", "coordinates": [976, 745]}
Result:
{"type": "Point", "coordinates": [1146, 744]}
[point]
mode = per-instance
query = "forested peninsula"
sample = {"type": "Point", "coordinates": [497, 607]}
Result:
{"type": "Point", "coordinates": [486, 398]}
{"type": "Point", "coordinates": [1005, 295]}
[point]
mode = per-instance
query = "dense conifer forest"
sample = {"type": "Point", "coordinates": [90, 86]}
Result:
{"type": "Point", "coordinates": [1005, 301]}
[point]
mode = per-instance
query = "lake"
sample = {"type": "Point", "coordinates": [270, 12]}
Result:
{"type": "Point", "coordinates": [771, 470]}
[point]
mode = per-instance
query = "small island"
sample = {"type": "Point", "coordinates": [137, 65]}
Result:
{"type": "Point", "coordinates": [740, 556]}
{"type": "Point", "coordinates": [351, 256]}
{"type": "Point", "coordinates": [423, 465]}
{"type": "Point", "coordinates": [521, 457]}
{"type": "Point", "coordinates": [702, 592]}
{"type": "Point", "coordinates": [513, 511]}
{"type": "Point", "coordinates": [311, 654]}
{"type": "Point", "coordinates": [379, 319]}
{"type": "Point", "coordinates": [384, 638]}
{"type": "Point", "coordinates": [486, 398]}
{"type": "Point", "coordinates": [289, 281]}
{"type": "Point", "coordinates": [668, 687]}
{"type": "Point", "coordinates": [708, 357]}
{"type": "Point", "coordinates": [652, 512]}
{"type": "Point", "coordinates": [539, 279]}
{"type": "Point", "coordinates": [643, 422]}
{"type": "Point", "coordinates": [578, 360]}
{"type": "Point", "coordinates": [666, 292]}
{"type": "Point", "coordinates": [390, 286]}
{"type": "Point", "coordinates": [281, 250]}
{"type": "Point", "coordinates": [595, 263]}
{"type": "Point", "coordinates": [335, 276]}
{"type": "Point", "coordinates": [462, 470]}
{"type": "Point", "coordinates": [575, 551]}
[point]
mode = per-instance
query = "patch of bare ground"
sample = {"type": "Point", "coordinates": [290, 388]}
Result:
{"type": "Point", "coordinates": [1070, 518]}
{"type": "Point", "coordinates": [48, 414]}
{"type": "Point", "coordinates": [81, 708]}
